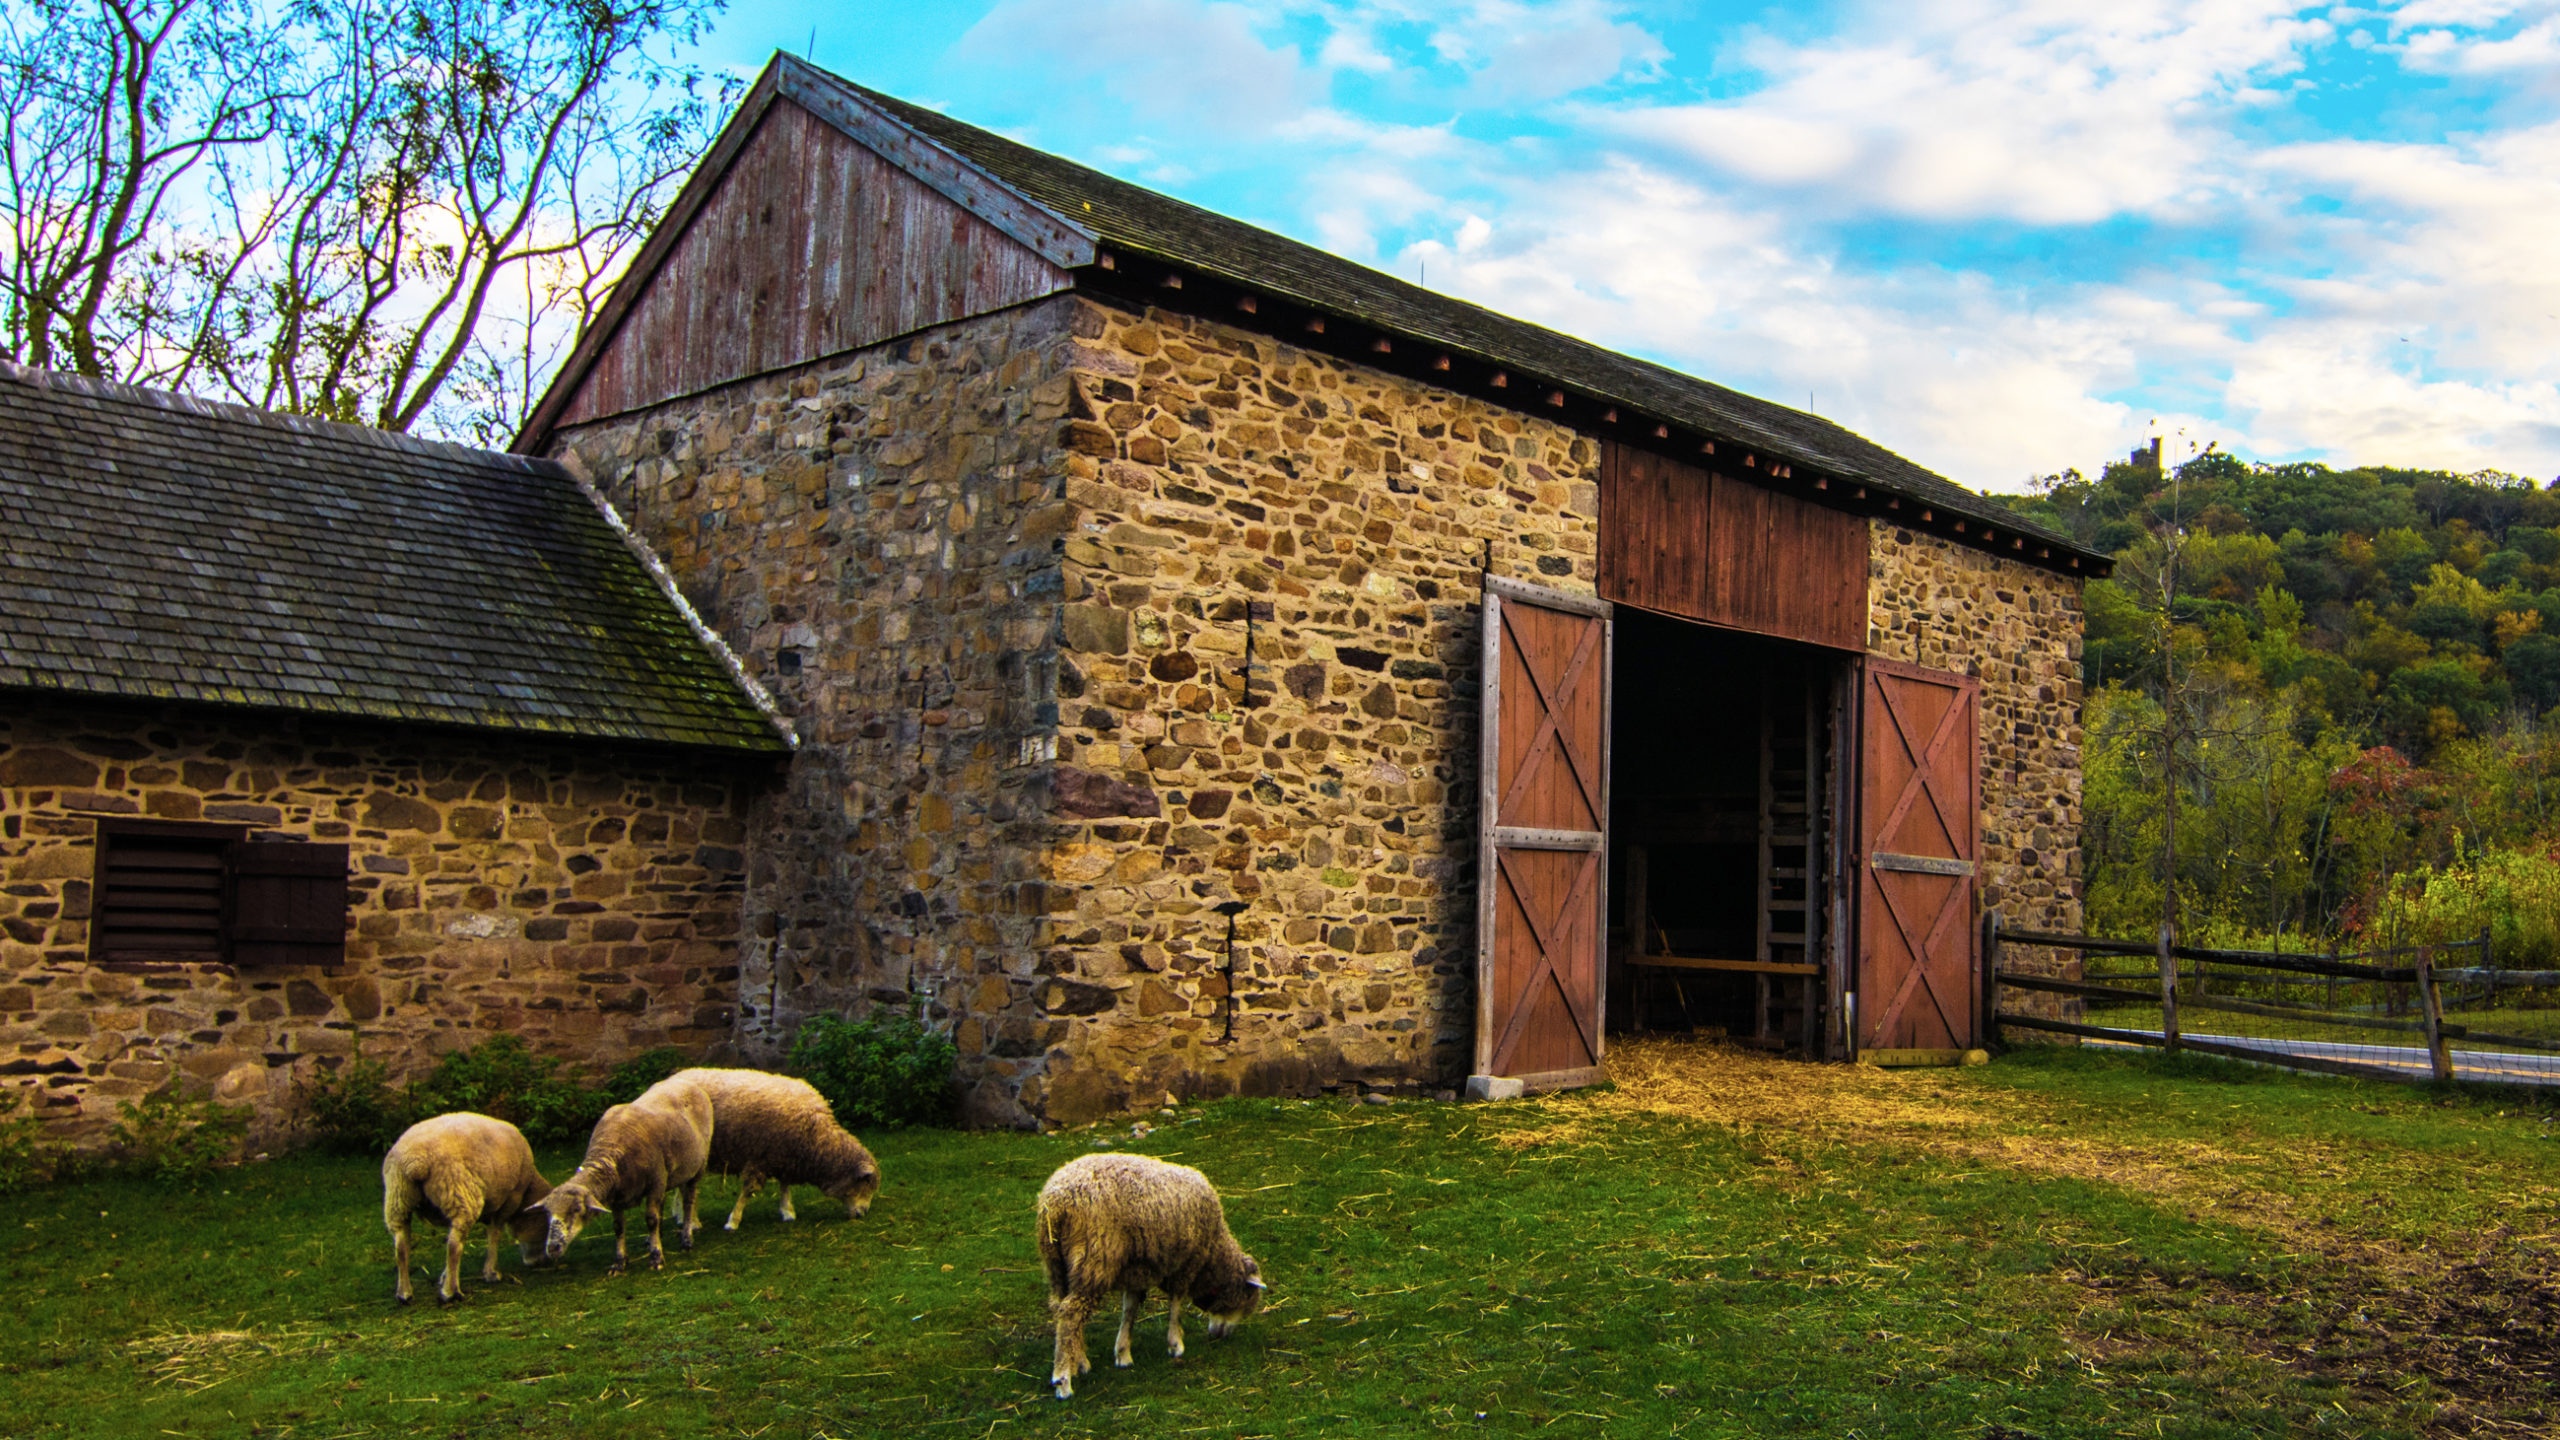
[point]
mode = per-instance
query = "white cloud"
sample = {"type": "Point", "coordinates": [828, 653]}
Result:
{"type": "Point", "coordinates": [2047, 113]}
{"type": "Point", "coordinates": [1205, 65]}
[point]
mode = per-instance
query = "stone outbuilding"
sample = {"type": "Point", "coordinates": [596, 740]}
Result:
{"type": "Point", "coordinates": [316, 740]}
{"type": "Point", "coordinates": [1222, 666]}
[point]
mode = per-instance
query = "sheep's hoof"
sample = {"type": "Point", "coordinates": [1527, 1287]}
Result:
{"type": "Point", "coordinates": [1065, 1388]}
{"type": "Point", "coordinates": [399, 1299]}
{"type": "Point", "coordinates": [616, 1268]}
{"type": "Point", "coordinates": [453, 1299]}
{"type": "Point", "coordinates": [732, 1225]}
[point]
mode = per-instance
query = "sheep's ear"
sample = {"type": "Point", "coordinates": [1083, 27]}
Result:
{"type": "Point", "coordinates": [1256, 1282]}
{"type": "Point", "coordinates": [536, 1208]}
{"type": "Point", "coordinates": [598, 1207]}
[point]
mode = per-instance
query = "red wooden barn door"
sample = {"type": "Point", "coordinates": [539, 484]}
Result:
{"type": "Point", "coordinates": [1918, 782]}
{"type": "Point", "coordinates": [1542, 855]}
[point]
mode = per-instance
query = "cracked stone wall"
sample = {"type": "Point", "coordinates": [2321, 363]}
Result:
{"type": "Point", "coordinates": [583, 898]}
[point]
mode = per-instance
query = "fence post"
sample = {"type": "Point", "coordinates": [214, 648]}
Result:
{"type": "Point", "coordinates": [2168, 990]}
{"type": "Point", "coordinates": [2440, 1057]}
{"type": "Point", "coordinates": [1990, 977]}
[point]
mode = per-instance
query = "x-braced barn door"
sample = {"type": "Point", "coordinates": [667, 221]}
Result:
{"type": "Point", "coordinates": [1918, 801]}
{"type": "Point", "coordinates": [1542, 862]}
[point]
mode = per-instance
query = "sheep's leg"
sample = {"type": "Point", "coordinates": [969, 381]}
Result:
{"type": "Point", "coordinates": [657, 1217]}
{"type": "Point", "coordinates": [457, 1235]}
{"type": "Point", "coordinates": [1130, 1300]}
{"type": "Point", "coordinates": [692, 1211]}
{"type": "Point", "coordinates": [1067, 1357]}
{"type": "Point", "coordinates": [786, 1202]}
{"type": "Point", "coordinates": [621, 1259]}
{"type": "Point", "coordinates": [1173, 1327]}
{"type": "Point", "coordinates": [749, 1182]}
{"type": "Point", "coordinates": [400, 1259]}
{"type": "Point", "coordinates": [490, 1273]}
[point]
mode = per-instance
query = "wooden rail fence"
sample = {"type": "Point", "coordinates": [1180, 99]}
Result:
{"type": "Point", "coordinates": [2421, 972]}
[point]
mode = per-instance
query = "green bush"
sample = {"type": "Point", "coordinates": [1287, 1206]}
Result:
{"type": "Point", "coordinates": [642, 1071]}
{"type": "Point", "coordinates": [22, 1148]}
{"type": "Point", "coordinates": [881, 1070]}
{"type": "Point", "coordinates": [2513, 894]}
{"type": "Point", "coordinates": [503, 1078]}
{"type": "Point", "coordinates": [177, 1140]}
{"type": "Point", "coordinates": [354, 1109]}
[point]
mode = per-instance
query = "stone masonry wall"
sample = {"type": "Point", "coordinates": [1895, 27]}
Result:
{"type": "Point", "coordinates": [1227, 485]}
{"type": "Point", "coordinates": [876, 535]}
{"type": "Point", "coordinates": [2017, 629]}
{"type": "Point", "coordinates": [584, 899]}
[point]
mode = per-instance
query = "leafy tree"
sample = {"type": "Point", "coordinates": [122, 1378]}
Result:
{"type": "Point", "coordinates": [370, 210]}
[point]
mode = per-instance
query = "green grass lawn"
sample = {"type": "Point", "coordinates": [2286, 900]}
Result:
{"type": "Point", "coordinates": [2055, 1245]}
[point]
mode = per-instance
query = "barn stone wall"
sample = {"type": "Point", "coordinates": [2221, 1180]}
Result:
{"type": "Point", "coordinates": [2017, 629]}
{"type": "Point", "coordinates": [877, 535]}
{"type": "Point", "coordinates": [1233, 490]}
{"type": "Point", "coordinates": [584, 899]}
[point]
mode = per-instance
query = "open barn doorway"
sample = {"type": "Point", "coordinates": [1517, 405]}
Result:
{"type": "Point", "coordinates": [1723, 831]}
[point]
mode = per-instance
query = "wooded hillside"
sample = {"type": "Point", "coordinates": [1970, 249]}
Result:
{"type": "Point", "coordinates": [2365, 666]}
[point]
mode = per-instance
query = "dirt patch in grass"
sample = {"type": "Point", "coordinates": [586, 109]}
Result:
{"type": "Point", "coordinates": [2476, 1314]}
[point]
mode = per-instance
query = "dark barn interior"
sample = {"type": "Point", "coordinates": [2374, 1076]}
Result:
{"type": "Point", "coordinates": [1722, 809]}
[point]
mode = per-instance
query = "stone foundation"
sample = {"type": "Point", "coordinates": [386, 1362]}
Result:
{"type": "Point", "coordinates": [582, 898]}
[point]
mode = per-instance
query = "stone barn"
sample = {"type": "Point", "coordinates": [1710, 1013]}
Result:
{"type": "Point", "coordinates": [1220, 666]}
{"type": "Point", "coordinates": [316, 739]}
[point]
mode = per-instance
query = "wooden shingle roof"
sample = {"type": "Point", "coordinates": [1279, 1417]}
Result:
{"type": "Point", "coordinates": [166, 548]}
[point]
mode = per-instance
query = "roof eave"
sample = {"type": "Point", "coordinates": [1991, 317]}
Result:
{"type": "Point", "coordinates": [1771, 459]}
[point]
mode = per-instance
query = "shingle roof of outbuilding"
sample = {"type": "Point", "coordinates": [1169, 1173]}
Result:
{"type": "Point", "coordinates": [162, 547]}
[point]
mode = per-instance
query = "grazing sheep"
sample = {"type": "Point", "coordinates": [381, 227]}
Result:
{"type": "Point", "coordinates": [637, 1153]}
{"type": "Point", "coordinates": [458, 1171]}
{"type": "Point", "coordinates": [772, 1127]}
{"type": "Point", "coordinates": [1130, 1223]}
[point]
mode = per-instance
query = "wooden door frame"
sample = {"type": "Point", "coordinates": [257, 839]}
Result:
{"type": "Point", "coordinates": [1861, 846]}
{"type": "Point", "coordinates": [1491, 838]}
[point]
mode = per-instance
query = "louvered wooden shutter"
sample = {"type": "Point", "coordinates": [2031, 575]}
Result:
{"type": "Point", "coordinates": [159, 897]}
{"type": "Point", "coordinates": [288, 903]}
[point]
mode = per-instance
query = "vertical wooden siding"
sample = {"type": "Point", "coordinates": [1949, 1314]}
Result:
{"type": "Point", "coordinates": [812, 245]}
{"type": "Point", "coordinates": [1688, 541]}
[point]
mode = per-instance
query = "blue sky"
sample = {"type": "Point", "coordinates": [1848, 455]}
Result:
{"type": "Point", "coordinates": [2001, 239]}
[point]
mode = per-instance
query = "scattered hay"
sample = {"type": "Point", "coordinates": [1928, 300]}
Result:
{"type": "Point", "coordinates": [201, 1359]}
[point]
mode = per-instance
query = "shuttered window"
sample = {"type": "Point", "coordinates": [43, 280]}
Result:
{"type": "Point", "coordinates": [212, 894]}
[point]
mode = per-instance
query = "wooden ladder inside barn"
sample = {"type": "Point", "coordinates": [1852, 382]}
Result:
{"type": "Point", "coordinates": [1790, 859]}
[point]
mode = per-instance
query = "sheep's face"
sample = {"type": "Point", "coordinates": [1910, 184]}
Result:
{"type": "Point", "coordinates": [1229, 1295]}
{"type": "Point", "coordinates": [856, 1193]}
{"type": "Point", "coordinates": [562, 1214]}
{"type": "Point", "coordinates": [532, 1228]}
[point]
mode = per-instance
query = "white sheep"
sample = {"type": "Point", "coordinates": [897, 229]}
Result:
{"type": "Point", "coordinates": [636, 1154]}
{"type": "Point", "coordinates": [1131, 1223]}
{"type": "Point", "coordinates": [772, 1127]}
{"type": "Point", "coordinates": [458, 1171]}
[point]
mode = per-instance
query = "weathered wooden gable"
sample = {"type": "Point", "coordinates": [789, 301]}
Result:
{"type": "Point", "coordinates": [810, 244]}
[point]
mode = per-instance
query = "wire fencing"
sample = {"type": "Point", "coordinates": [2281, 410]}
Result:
{"type": "Point", "coordinates": [2422, 1012]}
